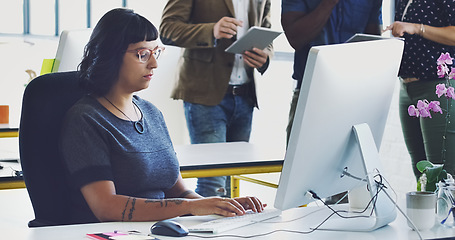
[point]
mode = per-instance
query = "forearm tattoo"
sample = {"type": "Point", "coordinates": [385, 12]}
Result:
{"type": "Point", "coordinates": [124, 210]}
{"type": "Point", "coordinates": [130, 214]}
{"type": "Point", "coordinates": [164, 202]}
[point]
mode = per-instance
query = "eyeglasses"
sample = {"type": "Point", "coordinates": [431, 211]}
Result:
{"type": "Point", "coordinates": [144, 53]}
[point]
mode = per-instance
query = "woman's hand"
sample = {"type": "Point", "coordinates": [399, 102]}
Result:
{"type": "Point", "coordinates": [227, 207]}
{"type": "Point", "coordinates": [442, 35]}
{"type": "Point", "coordinates": [400, 28]}
{"type": "Point", "coordinates": [251, 203]}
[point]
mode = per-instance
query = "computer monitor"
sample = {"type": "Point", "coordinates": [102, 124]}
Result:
{"type": "Point", "coordinates": [338, 127]}
{"type": "Point", "coordinates": [70, 49]}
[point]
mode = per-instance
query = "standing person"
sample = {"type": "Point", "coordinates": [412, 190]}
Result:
{"type": "Point", "coordinates": [217, 88]}
{"type": "Point", "coordinates": [116, 147]}
{"type": "Point", "coordinates": [308, 23]}
{"type": "Point", "coordinates": [428, 28]}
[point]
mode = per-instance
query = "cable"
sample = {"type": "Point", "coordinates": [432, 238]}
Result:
{"type": "Point", "coordinates": [15, 173]}
{"type": "Point", "coordinates": [295, 219]}
{"type": "Point", "coordinates": [380, 187]}
{"type": "Point", "coordinates": [406, 216]}
{"type": "Point", "coordinates": [271, 232]}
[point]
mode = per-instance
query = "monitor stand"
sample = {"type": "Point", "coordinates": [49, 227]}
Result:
{"type": "Point", "coordinates": [384, 210]}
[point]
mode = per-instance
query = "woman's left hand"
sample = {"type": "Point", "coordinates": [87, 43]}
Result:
{"type": "Point", "coordinates": [255, 58]}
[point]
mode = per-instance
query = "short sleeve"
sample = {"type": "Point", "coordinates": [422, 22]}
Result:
{"type": "Point", "coordinates": [86, 163]}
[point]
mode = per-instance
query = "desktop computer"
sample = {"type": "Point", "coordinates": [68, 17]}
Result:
{"type": "Point", "coordinates": [338, 127]}
{"type": "Point", "coordinates": [70, 49]}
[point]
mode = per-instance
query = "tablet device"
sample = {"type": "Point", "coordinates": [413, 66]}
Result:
{"type": "Point", "coordinates": [360, 37]}
{"type": "Point", "coordinates": [258, 37]}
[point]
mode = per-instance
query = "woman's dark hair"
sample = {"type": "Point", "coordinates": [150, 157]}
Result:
{"type": "Point", "coordinates": [103, 55]}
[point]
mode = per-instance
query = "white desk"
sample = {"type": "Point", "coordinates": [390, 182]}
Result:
{"type": "Point", "coordinates": [16, 211]}
{"type": "Point", "coordinates": [9, 154]}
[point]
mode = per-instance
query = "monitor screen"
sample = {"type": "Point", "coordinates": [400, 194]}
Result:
{"type": "Point", "coordinates": [70, 49]}
{"type": "Point", "coordinates": [344, 85]}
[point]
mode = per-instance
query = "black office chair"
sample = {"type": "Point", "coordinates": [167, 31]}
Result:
{"type": "Point", "coordinates": [46, 100]}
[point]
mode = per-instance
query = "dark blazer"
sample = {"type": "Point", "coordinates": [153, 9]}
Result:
{"type": "Point", "coordinates": [205, 68]}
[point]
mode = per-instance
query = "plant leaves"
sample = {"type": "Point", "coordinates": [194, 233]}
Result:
{"type": "Point", "coordinates": [423, 165]}
{"type": "Point", "coordinates": [433, 172]}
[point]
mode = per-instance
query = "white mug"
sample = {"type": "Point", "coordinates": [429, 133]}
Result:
{"type": "Point", "coordinates": [421, 209]}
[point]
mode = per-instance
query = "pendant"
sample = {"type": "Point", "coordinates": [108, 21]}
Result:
{"type": "Point", "coordinates": [139, 127]}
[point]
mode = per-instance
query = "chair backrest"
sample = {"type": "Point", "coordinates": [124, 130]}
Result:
{"type": "Point", "coordinates": [45, 103]}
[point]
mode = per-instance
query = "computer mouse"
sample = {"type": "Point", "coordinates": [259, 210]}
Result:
{"type": "Point", "coordinates": [169, 228]}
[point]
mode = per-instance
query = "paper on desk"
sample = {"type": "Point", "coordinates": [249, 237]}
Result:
{"type": "Point", "coordinates": [133, 237]}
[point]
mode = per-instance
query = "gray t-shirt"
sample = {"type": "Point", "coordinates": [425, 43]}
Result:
{"type": "Point", "coordinates": [96, 145]}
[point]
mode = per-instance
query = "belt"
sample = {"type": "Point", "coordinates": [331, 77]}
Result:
{"type": "Point", "coordinates": [239, 90]}
{"type": "Point", "coordinates": [409, 79]}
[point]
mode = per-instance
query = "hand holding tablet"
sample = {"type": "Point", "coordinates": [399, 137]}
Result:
{"type": "Point", "coordinates": [255, 37]}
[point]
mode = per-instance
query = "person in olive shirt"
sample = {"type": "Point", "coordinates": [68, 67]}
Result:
{"type": "Point", "coordinates": [217, 88]}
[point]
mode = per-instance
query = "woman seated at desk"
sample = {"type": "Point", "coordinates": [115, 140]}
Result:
{"type": "Point", "coordinates": [118, 152]}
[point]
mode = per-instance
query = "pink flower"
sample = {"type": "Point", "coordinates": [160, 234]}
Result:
{"type": "Point", "coordinates": [445, 58]}
{"type": "Point", "coordinates": [442, 70]}
{"type": "Point", "coordinates": [434, 106]}
{"type": "Point", "coordinates": [412, 111]}
{"type": "Point", "coordinates": [450, 93]}
{"type": "Point", "coordinates": [422, 107]}
{"type": "Point", "coordinates": [452, 74]}
{"type": "Point", "coordinates": [422, 104]}
{"type": "Point", "coordinates": [441, 89]}
{"type": "Point", "coordinates": [424, 112]}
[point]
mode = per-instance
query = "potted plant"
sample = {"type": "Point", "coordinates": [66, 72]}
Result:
{"type": "Point", "coordinates": [433, 173]}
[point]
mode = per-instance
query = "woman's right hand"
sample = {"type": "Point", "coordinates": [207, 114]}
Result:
{"type": "Point", "coordinates": [400, 28]}
{"type": "Point", "coordinates": [227, 207]}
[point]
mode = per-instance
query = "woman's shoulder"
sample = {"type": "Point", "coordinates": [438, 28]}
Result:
{"type": "Point", "coordinates": [145, 105]}
{"type": "Point", "coordinates": [87, 109]}
{"type": "Point", "coordinates": [85, 105]}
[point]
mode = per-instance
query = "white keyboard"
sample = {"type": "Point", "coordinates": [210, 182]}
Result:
{"type": "Point", "coordinates": [228, 223]}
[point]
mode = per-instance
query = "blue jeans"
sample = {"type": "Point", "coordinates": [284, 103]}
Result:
{"type": "Point", "coordinates": [229, 121]}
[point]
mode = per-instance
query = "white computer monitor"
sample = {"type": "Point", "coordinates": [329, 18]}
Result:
{"type": "Point", "coordinates": [70, 49]}
{"type": "Point", "coordinates": [344, 86]}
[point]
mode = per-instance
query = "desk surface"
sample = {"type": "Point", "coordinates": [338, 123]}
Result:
{"type": "Point", "coordinates": [10, 167]}
{"type": "Point", "coordinates": [16, 211]}
{"type": "Point", "coordinates": [8, 127]}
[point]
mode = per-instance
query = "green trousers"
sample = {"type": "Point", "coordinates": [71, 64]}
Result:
{"type": "Point", "coordinates": [424, 137]}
